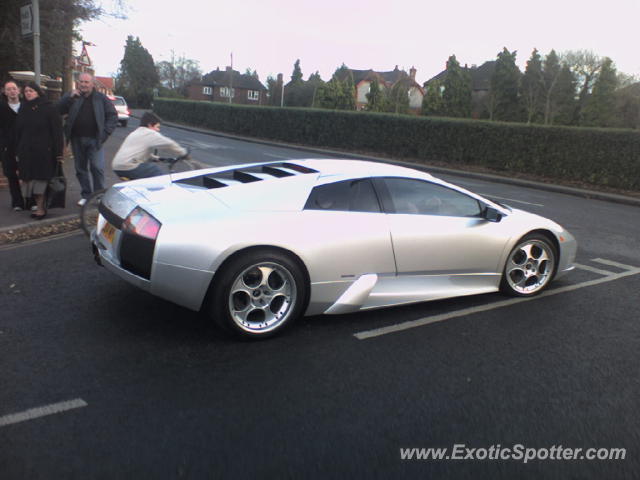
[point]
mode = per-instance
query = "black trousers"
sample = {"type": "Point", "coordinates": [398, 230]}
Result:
{"type": "Point", "coordinates": [10, 170]}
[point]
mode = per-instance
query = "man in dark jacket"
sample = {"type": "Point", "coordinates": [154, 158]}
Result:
{"type": "Point", "coordinates": [9, 107]}
{"type": "Point", "coordinates": [91, 118]}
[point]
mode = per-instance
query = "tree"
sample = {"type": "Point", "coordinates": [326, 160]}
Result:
{"type": "Point", "coordinates": [296, 75]}
{"type": "Point", "coordinates": [504, 86]}
{"type": "Point", "coordinates": [138, 75]}
{"type": "Point", "coordinates": [273, 91]}
{"type": "Point", "coordinates": [178, 73]}
{"type": "Point", "coordinates": [599, 110]}
{"type": "Point", "coordinates": [375, 97]}
{"type": "Point", "coordinates": [585, 65]}
{"type": "Point", "coordinates": [564, 98]}
{"type": "Point", "coordinates": [532, 88]}
{"type": "Point", "coordinates": [456, 97]}
{"type": "Point", "coordinates": [397, 97]}
{"type": "Point", "coordinates": [59, 20]}
{"type": "Point", "coordinates": [339, 92]}
{"type": "Point", "coordinates": [432, 101]}
{"type": "Point", "coordinates": [550, 74]}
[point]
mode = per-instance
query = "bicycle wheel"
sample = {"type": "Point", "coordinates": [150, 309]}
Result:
{"type": "Point", "coordinates": [89, 212]}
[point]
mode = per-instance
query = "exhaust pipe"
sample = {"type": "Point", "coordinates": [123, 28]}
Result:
{"type": "Point", "coordinates": [96, 255]}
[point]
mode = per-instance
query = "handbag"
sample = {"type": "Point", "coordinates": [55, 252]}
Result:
{"type": "Point", "coordinates": [57, 189]}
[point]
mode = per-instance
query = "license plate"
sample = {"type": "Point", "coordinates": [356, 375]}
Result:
{"type": "Point", "coordinates": [108, 232]}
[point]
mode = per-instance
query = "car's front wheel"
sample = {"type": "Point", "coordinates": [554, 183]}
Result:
{"type": "Point", "coordinates": [257, 294]}
{"type": "Point", "coordinates": [530, 266]}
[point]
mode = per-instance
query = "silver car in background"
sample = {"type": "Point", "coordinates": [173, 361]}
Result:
{"type": "Point", "coordinates": [122, 108]}
{"type": "Point", "coordinates": [257, 245]}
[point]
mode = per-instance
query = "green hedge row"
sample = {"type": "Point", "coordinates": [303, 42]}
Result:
{"type": "Point", "coordinates": [602, 157]}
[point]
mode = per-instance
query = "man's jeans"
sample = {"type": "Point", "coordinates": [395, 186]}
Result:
{"type": "Point", "coordinates": [144, 170]}
{"type": "Point", "coordinates": [89, 157]}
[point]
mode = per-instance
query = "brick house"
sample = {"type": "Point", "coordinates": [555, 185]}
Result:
{"type": "Point", "coordinates": [362, 80]}
{"type": "Point", "coordinates": [229, 86]}
{"type": "Point", "coordinates": [105, 85]}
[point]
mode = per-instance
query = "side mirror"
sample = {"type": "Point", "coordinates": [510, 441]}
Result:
{"type": "Point", "coordinates": [491, 214]}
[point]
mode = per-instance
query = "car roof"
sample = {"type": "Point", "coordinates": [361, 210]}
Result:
{"type": "Point", "coordinates": [348, 168]}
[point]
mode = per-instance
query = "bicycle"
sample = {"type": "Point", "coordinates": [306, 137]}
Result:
{"type": "Point", "coordinates": [89, 212]}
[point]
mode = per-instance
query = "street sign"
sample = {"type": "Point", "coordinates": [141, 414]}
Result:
{"type": "Point", "coordinates": [26, 20]}
{"type": "Point", "coordinates": [84, 59]}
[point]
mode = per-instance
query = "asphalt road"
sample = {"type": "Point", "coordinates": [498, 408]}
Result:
{"type": "Point", "coordinates": [101, 380]}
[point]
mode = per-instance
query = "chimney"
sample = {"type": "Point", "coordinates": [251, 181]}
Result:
{"type": "Point", "coordinates": [228, 69]}
{"type": "Point", "coordinates": [412, 73]}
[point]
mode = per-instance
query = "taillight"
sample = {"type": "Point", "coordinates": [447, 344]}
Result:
{"type": "Point", "coordinates": [141, 223]}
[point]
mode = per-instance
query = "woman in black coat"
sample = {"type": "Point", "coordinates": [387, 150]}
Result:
{"type": "Point", "coordinates": [39, 145]}
{"type": "Point", "coordinates": [9, 107]}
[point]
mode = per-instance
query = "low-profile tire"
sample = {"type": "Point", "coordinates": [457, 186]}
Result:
{"type": "Point", "coordinates": [530, 266]}
{"type": "Point", "coordinates": [89, 212]}
{"type": "Point", "coordinates": [259, 293]}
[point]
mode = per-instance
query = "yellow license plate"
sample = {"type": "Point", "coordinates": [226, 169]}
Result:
{"type": "Point", "coordinates": [108, 232]}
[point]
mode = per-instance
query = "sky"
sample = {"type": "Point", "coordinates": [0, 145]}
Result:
{"type": "Point", "coordinates": [270, 35]}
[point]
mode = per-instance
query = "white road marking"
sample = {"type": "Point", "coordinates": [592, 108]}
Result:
{"type": "Point", "coordinates": [614, 264]}
{"type": "Point", "coordinates": [489, 195]}
{"type": "Point", "coordinates": [492, 306]}
{"type": "Point", "coordinates": [41, 411]}
{"type": "Point", "coordinates": [593, 269]}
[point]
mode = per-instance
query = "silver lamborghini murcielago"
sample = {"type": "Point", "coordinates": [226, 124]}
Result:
{"type": "Point", "coordinates": [255, 246]}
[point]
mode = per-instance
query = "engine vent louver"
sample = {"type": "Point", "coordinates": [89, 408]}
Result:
{"type": "Point", "coordinates": [246, 175]}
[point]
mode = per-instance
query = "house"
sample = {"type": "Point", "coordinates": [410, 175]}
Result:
{"type": "Point", "coordinates": [480, 84]}
{"type": "Point", "coordinates": [229, 86]}
{"type": "Point", "coordinates": [362, 80]}
{"type": "Point", "coordinates": [105, 85]}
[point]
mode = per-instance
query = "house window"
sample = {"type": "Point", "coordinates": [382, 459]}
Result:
{"type": "Point", "coordinates": [227, 92]}
{"type": "Point", "coordinates": [206, 90]}
{"type": "Point", "coordinates": [253, 95]}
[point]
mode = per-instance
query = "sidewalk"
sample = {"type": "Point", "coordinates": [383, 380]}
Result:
{"type": "Point", "coordinates": [10, 220]}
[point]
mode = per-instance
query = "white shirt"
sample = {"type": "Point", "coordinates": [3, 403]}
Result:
{"type": "Point", "coordinates": [138, 148]}
{"type": "Point", "coordinates": [15, 106]}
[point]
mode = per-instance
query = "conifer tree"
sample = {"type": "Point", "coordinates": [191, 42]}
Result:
{"type": "Point", "coordinates": [600, 107]}
{"type": "Point", "coordinates": [432, 101]}
{"type": "Point", "coordinates": [504, 85]}
{"type": "Point", "coordinates": [138, 75]}
{"type": "Point", "coordinates": [532, 91]}
{"type": "Point", "coordinates": [456, 97]}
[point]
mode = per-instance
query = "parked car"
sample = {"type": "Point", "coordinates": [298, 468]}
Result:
{"type": "Point", "coordinates": [121, 107]}
{"type": "Point", "coordinates": [256, 246]}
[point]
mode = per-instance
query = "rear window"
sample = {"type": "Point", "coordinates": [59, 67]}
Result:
{"type": "Point", "coordinates": [119, 101]}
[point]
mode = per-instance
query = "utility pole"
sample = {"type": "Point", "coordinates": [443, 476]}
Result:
{"type": "Point", "coordinates": [36, 40]}
{"type": "Point", "coordinates": [231, 81]}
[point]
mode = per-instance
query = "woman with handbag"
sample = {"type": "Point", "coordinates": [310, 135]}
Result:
{"type": "Point", "coordinates": [39, 145]}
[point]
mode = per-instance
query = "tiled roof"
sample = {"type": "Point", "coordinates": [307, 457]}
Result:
{"type": "Point", "coordinates": [226, 78]}
{"type": "Point", "coordinates": [107, 82]}
{"type": "Point", "coordinates": [480, 76]}
{"type": "Point", "coordinates": [389, 78]}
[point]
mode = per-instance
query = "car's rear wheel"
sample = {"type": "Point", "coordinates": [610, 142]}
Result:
{"type": "Point", "coordinates": [124, 122]}
{"type": "Point", "coordinates": [258, 293]}
{"type": "Point", "coordinates": [530, 266]}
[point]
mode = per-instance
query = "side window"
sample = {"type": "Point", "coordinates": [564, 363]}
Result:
{"type": "Point", "coordinates": [347, 196]}
{"type": "Point", "coordinates": [420, 197]}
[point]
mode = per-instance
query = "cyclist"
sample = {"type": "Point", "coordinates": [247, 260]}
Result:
{"type": "Point", "coordinates": [133, 158]}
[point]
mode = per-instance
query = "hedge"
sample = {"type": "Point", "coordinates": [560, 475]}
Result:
{"type": "Point", "coordinates": [601, 157]}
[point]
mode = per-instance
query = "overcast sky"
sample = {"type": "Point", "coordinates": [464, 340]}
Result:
{"type": "Point", "coordinates": [269, 35]}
